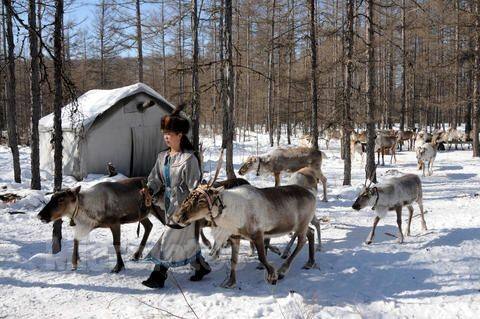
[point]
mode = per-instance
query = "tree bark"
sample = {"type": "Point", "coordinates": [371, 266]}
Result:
{"type": "Point", "coordinates": [476, 83]}
{"type": "Point", "coordinates": [370, 168]}
{"type": "Point", "coordinates": [57, 115]}
{"type": "Point", "coordinates": [34, 95]}
{"type": "Point", "coordinates": [313, 74]}
{"type": "Point", "coordinates": [139, 41]}
{"type": "Point", "coordinates": [230, 89]}
{"type": "Point", "coordinates": [10, 92]}
{"type": "Point", "coordinates": [195, 79]}
{"type": "Point", "coordinates": [404, 71]}
{"type": "Point", "coordinates": [270, 102]}
{"type": "Point", "coordinates": [348, 71]}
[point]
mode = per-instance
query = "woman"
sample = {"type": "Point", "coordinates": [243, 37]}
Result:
{"type": "Point", "coordinates": [177, 172]}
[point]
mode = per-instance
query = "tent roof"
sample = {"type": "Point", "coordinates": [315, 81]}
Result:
{"type": "Point", "coordinates": [94, 103]}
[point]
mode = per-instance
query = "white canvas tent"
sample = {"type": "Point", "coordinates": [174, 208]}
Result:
{"type": "Point", "coordinates": [108, 126]}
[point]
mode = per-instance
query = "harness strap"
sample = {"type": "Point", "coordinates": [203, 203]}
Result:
{"type": "Point", "coordinates": [75, 211]}
{"type": "Point", "coordinates": [211, 203]}
{"type": "Point", "coordinates": [258, 168]}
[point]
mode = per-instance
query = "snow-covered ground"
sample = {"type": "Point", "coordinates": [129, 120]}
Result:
{"type": "Point", "coordinates": [433, 274]}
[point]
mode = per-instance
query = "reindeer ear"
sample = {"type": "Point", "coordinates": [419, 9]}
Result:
{"type": "Point", "coordinates": [75, 190]}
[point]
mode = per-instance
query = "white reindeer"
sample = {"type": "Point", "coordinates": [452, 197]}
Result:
{"type": "Point", "coordinates": [426, 153]}
{"type": "Point", "coordinates": [393, 195]}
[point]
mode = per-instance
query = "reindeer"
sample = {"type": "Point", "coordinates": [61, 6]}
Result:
{"type": "Point", "coordinates": [254, 214]}
{"type": "Point", "coordinates": [384, 143]}
{"type": "Point", "coordinates": [408, 136]}
{"type": "Point", "coordinates": [332, 134]}
{"type": "Point", "coordinates": [289, 159]}
{"type": "Point", "coordinates": [426, 153]}
{"type": "Point", "coordinates": [104, 205]}
{"type": "Point", "coordinates": [305, 177]}
{"type": "Point", "coordinates": [393, 195]}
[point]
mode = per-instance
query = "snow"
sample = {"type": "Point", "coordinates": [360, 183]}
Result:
{"type": "Point", "coordinates": [433, 274]}
{"type": "Point", "coordinates": [93, 103]}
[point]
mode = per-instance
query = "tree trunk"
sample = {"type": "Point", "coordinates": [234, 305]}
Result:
{"type": "Point", "coordinates": [291, 59]}
{"type": "Point", "coordinates": [195, 80]}
{"type": "Point", "coordinates": [370, 168]}
{"type": "Point", "coordinates": [404, 71]}
{"type": "Point", "coordinates": [313, 73]}
{"type": "Point", "coordinates": [139, 42]}
{"type": "Point", "coordinates": [57, 116]}
{"type": "Point", "coordinates": [230, 94]}
{"type": "Point", "coordinates": [35, 95]}
{"type": "Point", "coordinates": [347, 94]}
{"type": "Point", "coordinates": [10, 93]}
{"type": "Point", "coordinates": [476, 83]}
{"type": "Point", "coordinates": [164, 61]}
{"type": "Point", "coordinates": [271, 75]}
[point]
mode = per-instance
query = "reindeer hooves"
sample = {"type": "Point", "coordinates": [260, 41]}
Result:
{"type": "Point", "coordinates": [368, 242]}
{"type": "Point", "coordinates": [273, 277]}
{"type": "Point", "coordinates": [229, 283]}
{"type": "Point", "coordinates": [325, 200]}
{"type": "Point", "coordinates": [284, 255]}
{"type": "Point", "coordinates": [136, 256]}
{"type": "Point", "coordinates": [74, 268]}
{"type": "Point", "coordinates": [309, 265]}
{"type": "Point", "coordinates": [260, 267]}
{"type": "Point", "coordinates": [117, 268]}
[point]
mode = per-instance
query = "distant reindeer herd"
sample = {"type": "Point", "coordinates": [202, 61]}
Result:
{"type": "Point", "coordinates": [237, 210]}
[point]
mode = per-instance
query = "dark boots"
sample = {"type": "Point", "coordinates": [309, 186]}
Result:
{"type": "Point", "coordinates": [201, 269]}
{"type": "Point", "coordinates": [157, 278]}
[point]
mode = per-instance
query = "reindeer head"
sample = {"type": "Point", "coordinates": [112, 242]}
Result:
{"type": "Point", "coordinates": [368, 193]}
{"type": "Point", "coordinates": [61, 204]}
{"type": "Point", "coordinates": [199, 202]}
{"type": "Point", "coordinates": [250, 164]}
{"type": "Point", "coordinates": [196, 206]}
{"type": "Point", "coordinates": [365, 198]}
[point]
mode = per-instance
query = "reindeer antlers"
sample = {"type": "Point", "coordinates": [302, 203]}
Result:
{"type": "Point", "coordinates": [219, 166]}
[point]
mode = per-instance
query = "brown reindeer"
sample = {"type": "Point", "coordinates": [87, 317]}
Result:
{"type": "Point", "coordinates": [104, 205]}
{"type": "Point", "coordinates": [286, 159]}
{"type": "Point", "coordinates": [384, 144]}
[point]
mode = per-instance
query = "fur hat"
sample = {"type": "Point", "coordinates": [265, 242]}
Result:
{"type": "Point", "coordinates": [175, 122]}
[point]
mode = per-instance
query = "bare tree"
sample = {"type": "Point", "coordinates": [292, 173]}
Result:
{"type": "Point", "coordinates": [313, 74]}
{"type": "Point", "coordinates": [271, 53]}
{"type": "Point", "coordinates": [476, 82]}
{"type": "Point", "coordinates": [35, 95]}
{"type": "Point", "coordinates": [10, 92]}
{"type": "Point", "coordinates": [195, 77]}
{"type": "Point", "coordinates": [57, 115]}
{"type": "Point", "coordinates": [348, 72]}
{"type": "Point", "coordinates": [230, 89]}
{"type": "Point", "coordinates": [139, 41]}
{"type": "Point", "coordinates": [370, 169]}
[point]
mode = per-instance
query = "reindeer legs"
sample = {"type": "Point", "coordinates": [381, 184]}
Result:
{"type": "Point", "coordinates": [286, 265]}
{"type": "Point", "coordinates": [75, 255]}
{"type": "Point", "coordinates": [147, 226]}
{"type": "Point", "coordinates": [311, 250]}
{"type": "Point", "coordinates": [372, 232]}
{"type": "Point", "coordinates": [272, 276]}
{"type": "Point", "coordinates": [410, 215]}
{"type": "Point", "coordinates": [422, 216]}
{"type": "Point", "coordinates": [399, 223]}
{"type": "Point", "coordinates": [277, 179]}
{"type": "Point", "coordinates": [231, 281]}
{"type": "Point", "coordinates": [116, 244]}
{"type": "Point", "coordinates": [323, 179]}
